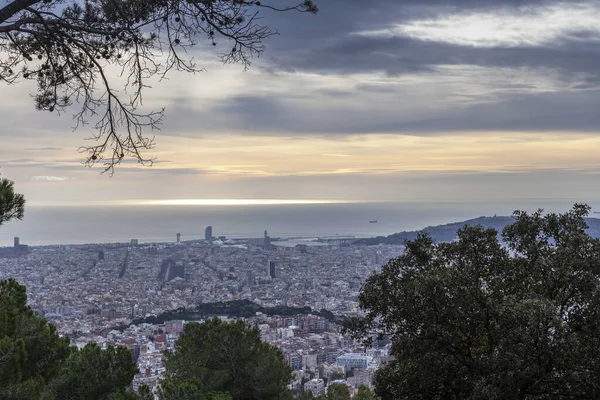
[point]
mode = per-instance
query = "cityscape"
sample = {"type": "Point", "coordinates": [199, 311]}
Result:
{"type": "Point", "coordinates": [299, 200]}
{"type": "Point", "coordinates": [92, 293]}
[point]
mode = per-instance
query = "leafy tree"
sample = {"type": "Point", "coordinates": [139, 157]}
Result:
{"type": "Point", "coordinates": [335, 375]}
{"type": "Point", "coordinates": [12, 205]}
{"type": "Point", "coordinates": [228, 357]}
{"type": "Point", "coordinates": [31, 352]}
{"type": "Point", "coordinates": [337, 391]}
{"type": "Point", "coordinates": [94, 373]}
{"type": "Point", "coordinates": [191, 389]}
{"type": "Point", "coordinates": [305, 395]}
{"type": "Point", "coordinates": [364, 393]}
{"type": "Point", "coordinates": [475, 319]}
{"type": "Point", "coordinates": [36, 363]}
{"type": "Point", "coordinates": [76, 50]}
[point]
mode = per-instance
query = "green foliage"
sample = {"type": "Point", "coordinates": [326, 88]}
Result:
{"type": "Point", "coordinates": [474, 319]}
{"type": "Point", "coordinates": [36, 363]}
{"type": "Point", "coordinates": [12, 205]}
{"type": "Point", "coordinates": [364, 393]}
{"type": "Point", "coordinates": [305, 395]}
{"type": "Point", "coordinates": [337, 391]}
{"type": "Point", "coordinates": [32, 351]}
{"type": "Point", "coordinates": [93, 373]}
{"type": "Point", "coordinates": [189, 389]}
{"type": "Point", "coordinates": [228, 357]}
{"type": "Point", "coordinates": [232, 309]}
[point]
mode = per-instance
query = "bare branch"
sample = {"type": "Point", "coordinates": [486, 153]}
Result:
{"type": "Point", "coordinates": [67, 46]}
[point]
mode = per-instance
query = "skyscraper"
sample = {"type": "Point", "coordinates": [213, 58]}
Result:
{"type": "Point", "coordinates": [178, 237]}
{"type": "Point", "coordinates": [208, 233]}
{"type": "Point", "coordinates": [271, 269]}
{"type": "Point", "coordinates": [267, 241]}
{"type": "Point", "coordinates": [17, 242]}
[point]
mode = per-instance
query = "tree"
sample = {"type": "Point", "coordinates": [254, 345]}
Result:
{"type": "Point", "coordinates": [228, 357]}
{"type": "Point", "coordinates": [191, 389]}
{"type": "Point", "coordinates": [94, 373]}
{"type": "Point", "coordinates": [364, 393]}
{"type": "Point", "coordinates": [337, 391]}
{"type": "Point", "coordinates": [36, 363]}
{"type": "Point", "coordinates": [74, 51]}
{"type": "Point", "coordinates": [12, 205]}
{"type": "Point", "coordinates": [305, 395]}
{"type": "Point", "coordinates": [476, 319]}
{"type": "Point", "coordinates": [31, 352]}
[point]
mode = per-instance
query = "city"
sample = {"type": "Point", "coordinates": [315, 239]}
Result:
{"type": "Point", "coordinates": [88, 291]}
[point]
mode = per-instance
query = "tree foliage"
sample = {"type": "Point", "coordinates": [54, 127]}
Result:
{"type": "Point", "coordinates": [337, 391]}
{"type": "Point", "coordinates": [476, 319]}
{"type": "Point", "coordinates": [31, 352]}
{"type": "Point", "coordinates": [228, 357]}
{"type": "Point", "coordinates": [189, 389]}
{"type": "Point", "coordinates": [36, 363]}
{"type": "Point", "coordinates": [12, 205]}
{"type": "Point", "coordinates": [94, 373]}
{"type": "Point", "coordinates": [364, 393]}
{"type": "Point", "coordinates": [75, 50]}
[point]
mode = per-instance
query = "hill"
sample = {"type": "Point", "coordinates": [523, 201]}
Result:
{"type": "Point", "coordinates": [447, 232]}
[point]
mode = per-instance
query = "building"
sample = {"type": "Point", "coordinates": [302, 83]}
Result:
{"type": "Point", "coordinates": [174, 326]}
{"type": "Point", "coordinates": [178, 237]}
{"type": "Point", "coordinates": [361, 377]}
{"type": "Point", "coordinates": [271, 269]}
{"type": "Point", "coordinates": [175, 270]}
{"type": "Point", "coordinates": [208, 235]}
{"type": "Point", "coordinates": [267, 241]}
{"type": "Point", "coordinates": [134, 242]}
{"type": "Point", "coordinates": [315, 386]}
{"type": "Point", "coordinates": [17, 242]}
{"type": "Point", "coordinates": [353, 360]}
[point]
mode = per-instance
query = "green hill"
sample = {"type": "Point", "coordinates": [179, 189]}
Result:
{"type": "Point", "coordinates": [447, 232]}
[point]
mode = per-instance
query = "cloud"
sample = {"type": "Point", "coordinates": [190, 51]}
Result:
{"type": "Point", "coordinates": [50, 178]}
{"type": "Point", "coordinates": [525, 26]}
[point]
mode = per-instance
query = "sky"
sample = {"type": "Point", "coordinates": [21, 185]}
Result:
{"type": "Point", "coordinates": [395, 100]}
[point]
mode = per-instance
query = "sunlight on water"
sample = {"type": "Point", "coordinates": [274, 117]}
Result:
{"type": "Point", "coordinates": [231, 202]}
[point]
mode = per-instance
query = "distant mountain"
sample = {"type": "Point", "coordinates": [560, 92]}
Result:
{"type": "Point", "coordinates": [447, 232]}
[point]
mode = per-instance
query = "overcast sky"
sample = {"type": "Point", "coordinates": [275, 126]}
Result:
{"type": "Point", "coordinates": [369, 100]}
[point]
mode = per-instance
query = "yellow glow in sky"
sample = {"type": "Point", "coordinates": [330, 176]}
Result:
{"type": "Point", "coordinates": [230, 202]}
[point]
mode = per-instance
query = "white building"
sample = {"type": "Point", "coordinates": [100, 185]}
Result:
{"type": "Point", "coordinates": [315, 386]}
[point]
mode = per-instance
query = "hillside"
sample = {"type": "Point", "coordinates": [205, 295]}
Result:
{"type": "Point", "coordinates": [447, 232]}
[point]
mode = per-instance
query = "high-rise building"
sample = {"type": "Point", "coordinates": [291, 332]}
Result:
{"type": "Point", "coordinates": [101, 255]}
{"type": "Point", "coordinates": [134, 242]}
{"type": "Point", "coordinates": [208, 233]}
{"type": "Point", "coordinates": [271, 269]}
{"type": "Point", "coordinates": [267, 241]}
{"type": "Point", "coordinates": [178, 237]}
{"type": "Point", "coordinates": [17, 242]}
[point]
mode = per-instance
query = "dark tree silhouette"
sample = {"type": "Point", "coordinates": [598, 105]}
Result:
{"type": "Point", "coordinates": [480, 319]}
{"type": "Point", "coordinates": [12, 205]}
{"type": "Point", "coordinates": [67, 46]}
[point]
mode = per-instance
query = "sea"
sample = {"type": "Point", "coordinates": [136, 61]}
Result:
{"type": "Point", "coordinates": [60, 225]}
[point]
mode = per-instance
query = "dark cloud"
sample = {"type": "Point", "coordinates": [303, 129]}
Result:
{"type": "Point", "coordinates": [327, 43]}
{"type": "Point", "coordinates": [575, 111]}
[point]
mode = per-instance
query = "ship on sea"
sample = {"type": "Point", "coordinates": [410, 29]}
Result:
{"type": "Point", "coordinates": [373, 222]}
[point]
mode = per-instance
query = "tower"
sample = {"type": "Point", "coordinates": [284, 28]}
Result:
{"type": "Point", "coordinates": [208, 233]}
{"type": "Point", "coordinates": [271, 269]}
